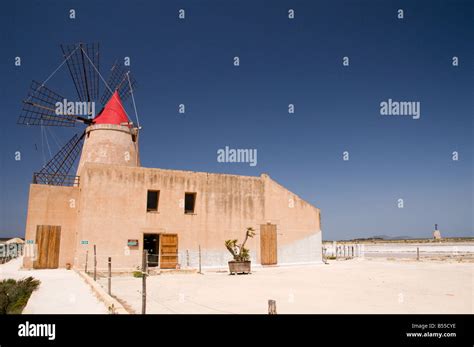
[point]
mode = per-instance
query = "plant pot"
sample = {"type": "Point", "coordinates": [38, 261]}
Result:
{"type": "Point", "coordinates": [239, 267]}
{"type": "Point", "coordinates": [68, 266]}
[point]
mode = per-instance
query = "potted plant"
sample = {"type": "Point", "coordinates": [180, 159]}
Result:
{"type": "Point", "coordinates": [241, 255]}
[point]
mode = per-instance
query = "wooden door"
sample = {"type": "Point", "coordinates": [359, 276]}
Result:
{"type": "Point", "coordinates": [268, 244]}
{"type": "Point", "coordinates": [48, 238]}
{"type": "Point", "coordinates": [168, 251]}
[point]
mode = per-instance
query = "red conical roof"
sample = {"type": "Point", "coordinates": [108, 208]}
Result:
{"type": "Point", "coordinates": [113, 112]}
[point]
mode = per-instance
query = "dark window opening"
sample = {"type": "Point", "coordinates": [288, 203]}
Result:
{"type": "Point", "coordinates": [151, 244]}
{"type": "Point", "coordinates": [189, 202]}
{"type": "Point", "coordinates": [152, 199]}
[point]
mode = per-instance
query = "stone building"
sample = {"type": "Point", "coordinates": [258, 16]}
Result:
{"type": "Point", "coordinates": [178, 216]}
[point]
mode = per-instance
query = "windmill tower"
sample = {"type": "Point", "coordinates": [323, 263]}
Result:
{"type": "Point", "coordinates": [110, 136]}
{"type": "Point", "coordinates": [111, 139]}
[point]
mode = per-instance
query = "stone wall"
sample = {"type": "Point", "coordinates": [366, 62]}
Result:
{"type": "Point", "coordinates": [53, 205]}
{"type": "Point", "coordinates": [111, 208]}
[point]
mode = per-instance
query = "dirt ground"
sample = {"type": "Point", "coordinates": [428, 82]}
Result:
{"type": "Point", "coordinates": [342, 286]}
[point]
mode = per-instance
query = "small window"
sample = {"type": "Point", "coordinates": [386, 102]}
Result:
{"type": "Point", "coordinates": [152, 199]}
{"type": "Point", "coordinates": [189, 202]}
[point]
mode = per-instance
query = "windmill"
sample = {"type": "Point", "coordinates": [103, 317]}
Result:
{"type": "Point", "coordinates": [41, 106]}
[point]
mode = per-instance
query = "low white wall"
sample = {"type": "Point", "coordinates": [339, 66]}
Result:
{"type": "Point", "coordinates": [303, 251]}
{"type": "Point", "coordinates": [306, 250]}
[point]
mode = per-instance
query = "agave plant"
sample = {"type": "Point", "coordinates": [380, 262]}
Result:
{"type": "Point", "coordinates": [238, 251]}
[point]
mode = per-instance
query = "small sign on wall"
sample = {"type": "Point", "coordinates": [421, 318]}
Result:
{"type": "Point", "coordinates": [84, 242]}
{"type": "Point", "coordinates": [132, 243]}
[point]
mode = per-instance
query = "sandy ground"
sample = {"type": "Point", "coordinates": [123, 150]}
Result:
{"type": "Point", "coordinates": [343, 286]}
{"type": "Point", "coordinates": [60, 291]}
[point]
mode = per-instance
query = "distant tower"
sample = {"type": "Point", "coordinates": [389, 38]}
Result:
{"type": "Point", "coordinates": [111, 139]}
{"type": "Point", "coordinates": [436, 233]}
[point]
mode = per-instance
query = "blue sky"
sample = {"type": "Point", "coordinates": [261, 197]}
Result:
{"type": "Point", "coordinates": [282, 61]}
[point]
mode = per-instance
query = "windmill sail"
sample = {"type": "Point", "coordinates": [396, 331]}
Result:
{"type": "Point", "coordinates": [83, 65]}
{"type": "Point", "coordinates": [45, 107]}
{"type": "Point", "coordinates": [120, 80]}
{"type": "Point", "coordinates": [39, 108]}
{"type": "Point", "coordinates": [56, 171]}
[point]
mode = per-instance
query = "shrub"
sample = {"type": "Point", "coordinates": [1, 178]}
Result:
{"type": "Point", "coordinates": [137, 274]}
{"type": "Point", "coordinates": [14, 294]}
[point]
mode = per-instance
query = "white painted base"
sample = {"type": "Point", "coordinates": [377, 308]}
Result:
{"type": "Point", "coordinates": [302, 252]}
